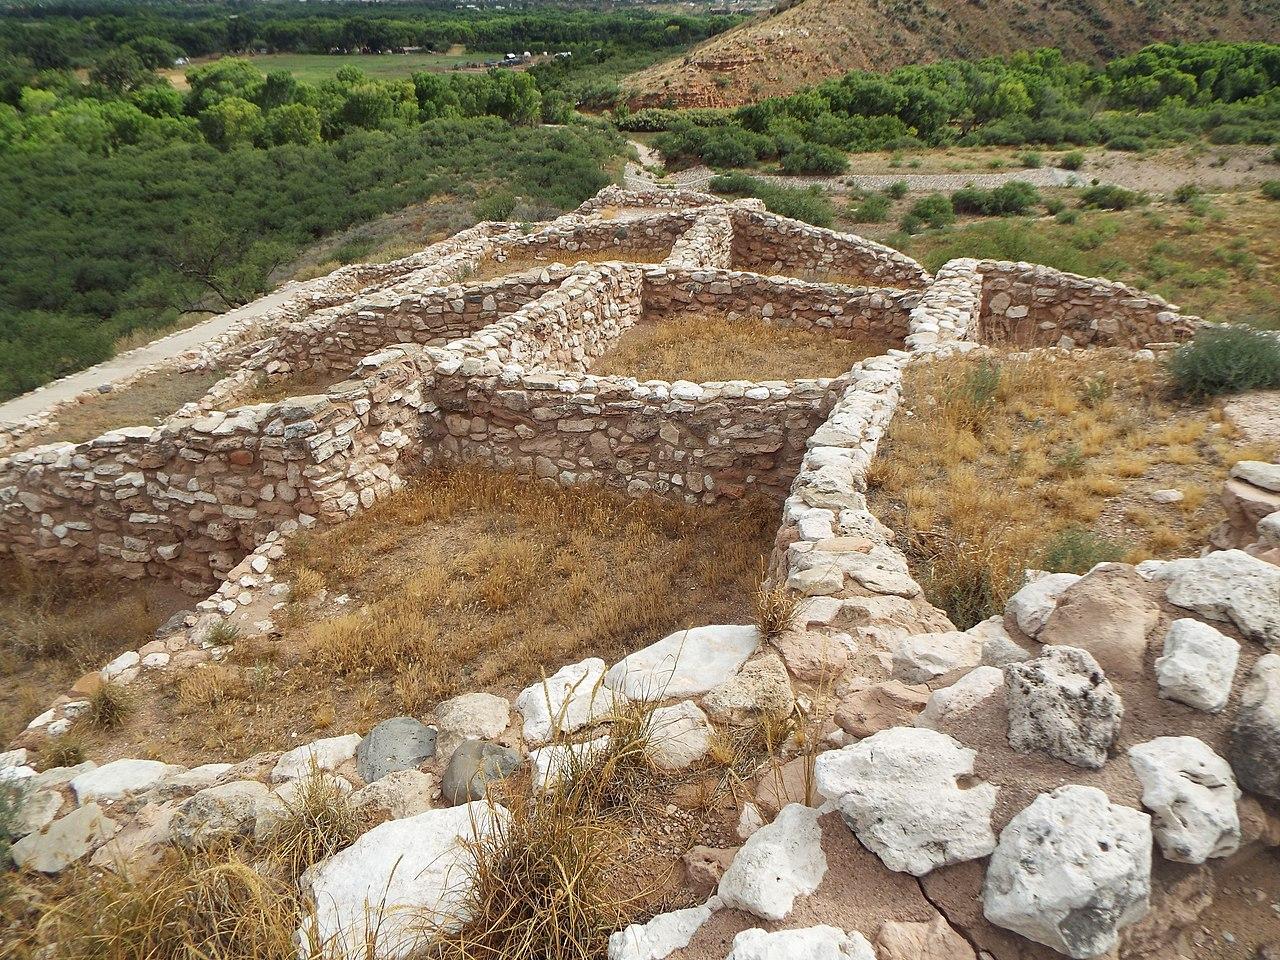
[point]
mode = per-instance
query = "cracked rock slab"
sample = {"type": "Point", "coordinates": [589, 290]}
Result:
{"type": "Point", "coordinates": [1228, 585]}
{"type": "Point", "coordinates": [565, 702]}
{"type": "Point", "coordinates": [780, 862]}
{"type": "Point", "coordinates": [1063, 704]}
{"type": "Point", "coordinates": [687, 663]}
{"type": "Point", "coordinates": [898, 791]}
{"type": "Point", "coordinates": [1031, 606]}
{"type": "Point", "coordinates": [1191, 794]}
{"type": "Point", "coordinates": [1071, 871]}
{"type": "Point", "coordinates": [662, 936]}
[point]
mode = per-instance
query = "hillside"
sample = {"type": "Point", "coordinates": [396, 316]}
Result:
{"type": "Point", "coordinates": [803, 43]}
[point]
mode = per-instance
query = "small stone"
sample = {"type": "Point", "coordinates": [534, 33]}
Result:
{"type": "Point", "coordinates": [567, 701]}
{"type": "Point", "coordinates": [1227, 585]}
{"type": "Point", "coordinates": [922, 657]}
{"type": "Point", "coordinates": [879, 707]}
{"type": "Point", "coordinates": [111, 781]}
{"type": "Point", "coordinates": [948, 706]}
{"type": "Point", "coordinates": [761, 689]}
{"type": "Point", "coordinates": [401, 793]}
{"type": "Point", "coordinates": [327, 754]}
{"type": "Point", "coordinates": [679, 736]}
{"type": "Point", "coordinates": [218, 814]}
{"type": "Point", "coordinates": [661, 936]}
{"type": "Point", "coordinates": [1192, 797]}
{"type": "Point", "coordinates": [781, 861]}
{"type": "Point", "coordinates": [807, 943]}
{"type": "Point", "coordinates": [399, 743]}
{"type": "Point", "coordinates": [1030, 607]}
{"type": "Point", "coordinates": [935, 940]}
{"type": "Point", "coordinates": [1198, 665]}
{"type": "Point", "coordinates": [1107, 614]}
{"type": "Point", "coordinates": [1063, 704]}
{"type": "Point", "coordinates": [472, 766]}
{"type": "Point", "coordinates": [1167, 496]}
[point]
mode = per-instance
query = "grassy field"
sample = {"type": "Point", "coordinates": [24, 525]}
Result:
{"type": "Point", "coordinates": [315, 67]}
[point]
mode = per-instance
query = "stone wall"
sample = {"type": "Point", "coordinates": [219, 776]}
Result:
{"type": "Point", "coordinates": [1028, 305]}
{"type": "Point", "coordinates": [650, 237]}
{"type": "Point", "coordinates": [766, 243]}
{"type": "Point", "coordinates": [708, 243]}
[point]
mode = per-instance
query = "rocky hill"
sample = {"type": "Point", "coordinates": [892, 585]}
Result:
{"type": "Point", "coordinates": [798, 44]}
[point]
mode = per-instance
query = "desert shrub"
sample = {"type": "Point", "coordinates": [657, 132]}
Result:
{"type": "Point", "coordinates": [1031, 159]}
{"type": "Point", "coordinates": [775, 609]}
{"type": "Point", "coordinates": [1271, 189]}
{"type": "Point", "coordinates": [809, 204]}
{"type": "Point", "coordinates": [897, 190]}
{"type": "Point", "coordinates": [935, 210]}
{"type": "Point", "coordinates": [1077, 550]}
{"type": "Point", "coordinates": [1054, 206]}
{"type": "Point", "coordinates": [1226, 360]}
{"type": "Point", "coordinates": [496, 206]}
{"type": "Point", "coordinates": [1067, 217]}
{"type": "Point", "coordinates": [872, 209]}
{"type": "Point", "coordinates": [910, 224]}
{"type": "Point", "coordinates": [977, 393]}
{"type": "Point", "coordinates": [64, 751]}
{"type": "Point", "coordinates": [109, 706]}
{"type": "Point", "coordinates": [814, 158]}
{"type": "Point", "coordinates": [1014, 197]}
{"type": "Point", "coordinates": [1110, 197]}
{"type": "Point", "coordinates": [1186, 192]}
{"type": "Point", "coordinates": [1127, 142]}
{"type": "Point", "coordinates": [1072, 160]}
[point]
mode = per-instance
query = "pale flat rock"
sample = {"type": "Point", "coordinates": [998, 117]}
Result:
{"type": "Point", "coordinates": [1062, 703]}
{"type": "Point", "coordinates": [687, 663]}
{"type": "Point", "coordinates": [780, 862]}
{"type": "Point", "coordinates": [64, 841]}
{"type": "Point", "coordinates": [111, 781]}
{"type": "Point", "coordinates": [1255, 738]}
{"type": "Point", "coordinates": [899, 793]}
{"type": "Point", "coordinates": [145, 840]}
{"type": "Point", "coordinates": [879, 707]}
{"type": "Point", "coordinates": [998, 648]}
{"type": "Point", "coordinates": [908, 940]}
{"type": "Point", "coordinates": [197, 778]}
{"type": "Point", "coordinates": [1108, 614]}
{"type": "Point", "coordinates": [1227, 585]}
{"type": "Point", "coordinates": [761, 688]}
{"type": "Point", "coordinates": [679, 736]}
{"type": "Point", "coordinates": [1192, 796]}
{"type": "Point", "coordinates": [218, 814]}
{"type": "Point", "coordinates": [1259, 473]}
{"type": "Point", "coordinates": [663, 935]}
{"type": "Point", "coordinates": [807, 943]}
{"type": "Point", "coordinates": [1197, 666]}
{"type": "Point", "coordinates": [401, 793]}
{"type": "Point", "coordinates": [570, 699]}
{"type": "Point", "coordinates": [473, 716]}
{"type": "Point", "coordinates": [327, 754]}
{"type": "Point", "coordinates": [950, 704]}
{"type": "Point", "coordinates": [924, 656]}
{"type": "Point", "coordinates": [1071, 870]}
{"type": "Point", "coordinates": [414, 871]}
{"type": "Point", "coordinates": [1030, 607]}
{"type": "Point", "coordinates": [812, 654]}
{"type": "Point", "coordinates": [37, 809]}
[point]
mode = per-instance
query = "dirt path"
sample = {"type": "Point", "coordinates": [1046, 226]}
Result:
{"type": "Point", "coordinates": [120, 366]}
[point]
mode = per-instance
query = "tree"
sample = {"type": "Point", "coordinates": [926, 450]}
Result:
{"type": "Point", "coordinates": [228, 77]}
{"type": "Point", "coordinates": [154, 52]}
{"type": "Point", "coordinates": [294, 123]}
{"type": "Point", "coordinates": [158, 100]}
{"type": "Point", "coordinates": [120, 71]}
{"type": "Point", "coordinates": [232, 122]}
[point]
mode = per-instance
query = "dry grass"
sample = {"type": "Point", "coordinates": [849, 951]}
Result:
{"type": "Point", "coordinates": [706, 348]}
{"type": "Point", "coordinates": [489, 269]}
{"type": "Point", "coordinates": [143, 403]}
{"type": "Point", "coordinates": [462, 581]}
{"type": "Point", "coordinates": [775, 609]}
{"type": "Point", "coordinates": [302, 385]}
{"type": "Point", "coordinates": [317, 823]}
{"type": "Point", "coordinates": [109, 706]}
{"type": "Point", "coordinates": [993, 467]}
{"type": "Point", "coordinates": [54, 626]}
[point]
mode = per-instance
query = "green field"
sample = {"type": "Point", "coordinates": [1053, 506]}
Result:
{"type": "Point", "coordinates": [315, 67]}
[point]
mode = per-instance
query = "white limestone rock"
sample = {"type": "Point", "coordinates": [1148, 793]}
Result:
{"type": "Point", "coordinates": [807, 943]}
{"type": "Point", "coordinates": [401, 793]}
{"type": "Point", "coordinates": [1063, 704]}
{"type": "Point", "coordinates": [762, 688]}
{"type": "Point", "coordinates": [570, 699]}
{"type": "Point", "coordinates": [898, 792]}
{"type": "Point", "coordinates": [1228, 585]}
{"type": "Point", "coordinates": [472, 716]}
{"type": "Point", "coordinates": [111, 781]}
{"type": "Point", "coordinates": [217, 814]}
{"type": "Point", "coordinates": [327, 754]}
{"type": "Point", "coordinates": [687, 663]}
{"type": "Point", "coordinates": [1197, 666]}
{"type": "Point", "coordinates": [65, 841]}
{"type": "Point", "coordinates": [679, 736]}
{"type": "Point", "coordinates": [1030, 607]}
{"type": "Point", "coordinates": [921, 657]}
{"type": "Point", "coordinates": [998, 648]}
{"type": "Point", "coordinates": [950, 704]}
{"type": "Point", "coordinates": [663, 935]}
{"type": "Point", "coordinates": [1192, 796]}
{"type": "Point", "coordinates": [780, 862]}
{"type": "Point", "coordinates": [413, 871]}
{"type": "Point", "coordinates": [1070, 871]}
{"type": "Point", "coordinates": [35, 811]}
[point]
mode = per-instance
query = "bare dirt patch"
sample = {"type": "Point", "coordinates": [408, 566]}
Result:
{"type": "Point", "coordinates": [146, 402]}
{"type": "Point", "coordinates": [463, 581]}
{"type": "Point", "coordinates": [302, 385]}
{"type": "Point", "coordinates": [493, 269]}
{"type": "Point", "coordinates": [707, 348]}
{"type": "Point", "coordinates": [993, 466]}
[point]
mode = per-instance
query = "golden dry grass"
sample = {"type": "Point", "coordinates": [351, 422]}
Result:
{"type": "Point", "coordinates": [301, 385]}
{"type": "Point", "coordinates": [463, 581]}
{"type": "Point", "coordinates": [713, 347]}
{"type": "Point", "coordinates": [996, 466]}
{"type": "Point", "coordinates": [143, 403]}
{"type": "Point", "coordinates": [489, 269]}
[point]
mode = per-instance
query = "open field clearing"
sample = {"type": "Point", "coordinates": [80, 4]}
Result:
{"type": "Point", "coordinates": [994, 466]}
{"type": "Point", "coordinates": [706, 348]}
{"type": "Point", "coordinates": [463, 581]}
{"type": "Point", "coordinates": [318, 67]}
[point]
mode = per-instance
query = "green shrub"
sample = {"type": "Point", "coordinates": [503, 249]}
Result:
{"type": "Point", "coordinates": [1008, 199]}
{"type": "Point", "coordinates": [1067, 217]}
{"type": "Point", "coordinates": [496, 206]}
{"type": "Point", "coordinates": [1226, 360]}
{"type": "Point", "coordinates": [1031, 159]}
{"type": "Point", "coordinates": [1054, 206]}
{"type": "Point", "coordinates": [809, 204]}
{"type": "Point", "coordinates": [897, 189]}
{"type": "Point", "coordinates": [814, 158]}
{"type": "Point", "coordinates": [1077, 550]}
{"type": "Point", "coordinates": [1110, 197]}
{"type": "Point", "coordinates": [1071, 161]}
{"type": "Point", "coordinates": [910, 224]}
{"type": "Point", "coordinates": [935, 210]}
{"type": "Point", "coordinates": [1275, 155]}
{"type": "Point", "coordinates": [1271, 189]}
{"type": "Point", "coordinates": [873, 209]}
{"type": "Point", "coordinates": [1127, 143]}
{"type": "Point", "coordinates": [1186, 193]}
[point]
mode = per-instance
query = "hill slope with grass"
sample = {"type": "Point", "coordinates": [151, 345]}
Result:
{"type": "Point", "coordinates": [804, 43]}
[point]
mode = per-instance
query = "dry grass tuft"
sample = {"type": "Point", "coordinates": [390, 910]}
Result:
{"type": "Point", "coordinates": [317, 823]}
{"type": "Point", "coordinates": [997, 465]}
{"type": "Point", "coordinates": [301, 385]}
{"type": "Point", "coordinates": [109, 706]}
{"type": "Point", "coordinates": [775, 609]}
{"type": "Point", "coordinates": [704, 348]}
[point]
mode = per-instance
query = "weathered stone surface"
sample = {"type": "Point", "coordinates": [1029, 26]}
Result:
{"type": "Point", "coordinates": [679, 736]}
{"type": "Point", "coordinates": [1197, 666]}
{"type": "Point", "coordinates": [218, 814]}
{"type": "Point", "coordinates": [1070, 871]}
{"type": "Point", "coordinates": [401, 793]}
{"type": "Point", "coordinates": [473, 716]}
{"type": "Point", "coordinates": [64, 841]}
{"type": "Point", "coordinates": [879, 707]}
{"type": "Point", "coordinates": [145, 840]}
{"type": "Point", "coordinates": [899, 793]}
{"type": "Point", "coordinates": [570, 699]}
{"type": "Point", "coordinates": [811, 654]}
{"type": "Point", "coordinates": [1063, 704]}
{"type": "Point", "coordinates": [684, 664]}
{"type": "Point", "coordinates": [1030, 607]}
{"type": "Point", "coordinates": [1259, 473]}
{"type": "Point", "coordinates": [950, 704]}
{"type": "Point", "coordinates": [761, 689]}
{"type": "Point", "coordinates": [661, 936]}
{"type": "Point", "coordinates": [1254, 750]}
{"type": "Point", "coordinates": [412, 871]}
{"type": "Point", "coordinates": [327, 754]}
{"type": "Point", "coordinates": [998, 648]}
{"type": "Point", "coordinates": [924, 656]}
{"type": "Point", "coordinates": [782, 861]}
{"type": "Point", "coordinates": [398, 743]}
{"type": "Point", "coordinates": [1192, 797]}
{"type": "Point", "coordinates": [1227, 585]}
{"type": "Point", "coordinates": [111, 781]}
{"type": "Point", "coordinates": [37, 810]}
{"type": "Point", "coordinates": [472, 766]}
{"type": "Point", "coordinates": [1106, 614]}
{"type": "Point", "coordinates": [907, 940]}
{"type": "Point", "coordinates": [807, 943]}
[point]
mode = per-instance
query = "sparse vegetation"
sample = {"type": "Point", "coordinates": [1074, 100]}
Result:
{"type": "Point", "coordinates": [315, 824]}
{"type": "Point", "coordinates": [109, 706]}
{"type": "Point", "coordinates": [808, 204]}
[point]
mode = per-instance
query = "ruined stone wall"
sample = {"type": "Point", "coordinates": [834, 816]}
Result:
{"type": "Point", "coordinates": [843, 311]}
{"type": "Point", "coordinates": [708, 243]}
{"type": "Point", "coordinates": [766, 243]}
{"type": "Point", "coordinates": [948, 311]}
{"type": "Point", "coordinates": [1029, 305]}
{"type": "Point", "coordinates": [615, 196]}
{"type": "Point", "coordinates": [650, 237]}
